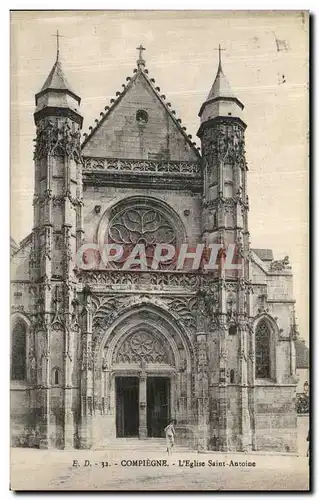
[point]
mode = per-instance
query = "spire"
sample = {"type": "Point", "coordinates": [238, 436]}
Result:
{"type": "Point", "coordinates": [221, 87]}
{"type": "Point", "coordinates": [57, 44]}
{"type": "Point", "coordinates": [221, 100]}
{"type": "Point", "coordinates": [56, 79]}
{"type": "Point", "coordinates": [56, 92]}
{"type": "Point", "coordinates": [140, 61]}
{"type": "Point", "coordinates": [219, 56]}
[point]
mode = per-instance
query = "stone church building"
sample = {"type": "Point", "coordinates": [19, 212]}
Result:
{"type": "Point", "coordinates": [98, 354]}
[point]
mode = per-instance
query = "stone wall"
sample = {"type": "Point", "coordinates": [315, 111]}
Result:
{"type": "Point", "coordinates": [275, 418]}
{"type": "Point", "coordinates": [19, 414]}
{"type": "Point", "coordinates": [122, 135]}
{"type": "Point", "coordinates": [106, 197]}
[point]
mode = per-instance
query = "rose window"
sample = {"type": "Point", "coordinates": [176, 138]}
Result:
{"type": "Point", "coordinates": [141, 226]}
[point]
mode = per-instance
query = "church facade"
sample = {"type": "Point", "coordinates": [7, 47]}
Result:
{"type": "Point", "coordinates": [100, 353]}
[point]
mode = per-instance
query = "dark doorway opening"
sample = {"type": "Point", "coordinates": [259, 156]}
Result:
{"type": "Point", "coordinates": [127, 415]}
{"type": "Point", "coordinates": [158, 411]}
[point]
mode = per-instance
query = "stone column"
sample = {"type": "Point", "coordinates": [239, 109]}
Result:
{"type": "Point", "coordinates": [44, 394]}
{"type": "Point", "coordinates": [244, 403]}
{"type": "Point", "coordinates": [143, 406]}
{"type": "Point", "coordinates": [68, 411]}
{"type": "Point", "coordinates": [68, 421]}
{"type": "Point", "coordinates": [223, 396]}
{"type": "Point", "coordinates": [44, 424]}
{"type": "Point", "coordinates": [85, 427]}
{"type": "Point", "coordinates": [202, 396]}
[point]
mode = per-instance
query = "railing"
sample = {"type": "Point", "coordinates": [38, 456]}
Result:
{"type": "Point", "coordinates": [148, 166]}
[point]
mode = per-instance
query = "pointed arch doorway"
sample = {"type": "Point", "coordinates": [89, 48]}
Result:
{"type": "Point", "coordinates": [143, 374]}
{"type": "Point", "coordinates": [143, 393]}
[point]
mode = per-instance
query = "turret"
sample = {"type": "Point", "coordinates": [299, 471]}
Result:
{"type": "Point", "coordinates": [224, 221]}
{"type": "Point", "coordinates": [221, 101]}
{"type": "Point", "coordinates": [57, 235]}
{"type": "Point", "coordinates": [224, 166]}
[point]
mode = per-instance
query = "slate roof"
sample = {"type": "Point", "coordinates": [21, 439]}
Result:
{"type": "Point", "coordinates": [221, 86]}
{"type": "Point", "coordinates": [264, 253]}
{"type": "Point", "coordinates": [56, 79]}
{"type": "Point", "coordinates": [221, 90]}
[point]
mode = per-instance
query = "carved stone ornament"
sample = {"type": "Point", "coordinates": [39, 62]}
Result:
{"type": "Point", "coordinates": [140, 280]}
{"type": "Point", "coordinates": [142, 346]}
{"type": "Point", "coordinates": [87, 357]}
{"type": "Point", "coordinates": [185, 308]}
{"type": "Point", "coordinates": [280, 265]}
{"type": "Point", "coordinates": [224, 142]}
{"type": "Point", "coordinates": [57, 138]}
{"type": "Point", "coordinates": [131, 165]}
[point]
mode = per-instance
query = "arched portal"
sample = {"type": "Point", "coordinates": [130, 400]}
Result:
{"type": "Point", "coordinates": [143, 369]}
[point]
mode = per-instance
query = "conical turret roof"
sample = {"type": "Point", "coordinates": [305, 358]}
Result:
{"type": "Point", "coordinates": [57, 96]}
{"type": "Point", "coordinates": [56, 79]}
{"type": "Point", "coordinates": [221, 87]}
{"type": "Point", "coordinates": [221, 100]}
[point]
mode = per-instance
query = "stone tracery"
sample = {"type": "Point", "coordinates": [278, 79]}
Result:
{"type": "Point", "coordinates": [146, 225]}
{"type": "Point", "coordinates": [141, 346]}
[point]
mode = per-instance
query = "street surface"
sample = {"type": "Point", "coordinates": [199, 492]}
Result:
{"type": "Point", "coordinates": [33, 469]}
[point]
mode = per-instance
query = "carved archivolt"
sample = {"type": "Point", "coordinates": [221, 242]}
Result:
{"type": "Point", "coordinates": [166, 333]}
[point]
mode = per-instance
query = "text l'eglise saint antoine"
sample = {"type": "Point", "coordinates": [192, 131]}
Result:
{"type": "Point", "coordinates": [164, 463]}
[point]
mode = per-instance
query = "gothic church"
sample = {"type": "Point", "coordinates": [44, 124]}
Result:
{"type": "Point", "coordinates": [101, 354]}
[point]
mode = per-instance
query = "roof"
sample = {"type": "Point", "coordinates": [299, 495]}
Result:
{"type": "Point", "coordinates": [220, 91]}
{"type": "Point", "coordinates": [264, 253]}
{"type": "Point", "coordinates": [221, 86]}
{"type": "Point", "coordinates": [56, 93]}
{"type": "Point", "coordinates": [302, 354]}
{"type": "Point", "coordinates": [142, 72]}
{"type": "Point", "coordinates": [56, 79]}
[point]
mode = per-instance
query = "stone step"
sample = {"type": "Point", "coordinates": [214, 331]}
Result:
{"type": "Point", "coordinates": [135, 444]}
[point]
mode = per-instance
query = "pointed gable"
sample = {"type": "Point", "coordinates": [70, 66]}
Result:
{"type": "Point", "coordinates": [140, 125]}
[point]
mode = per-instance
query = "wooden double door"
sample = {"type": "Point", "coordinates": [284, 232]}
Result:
{"type": "Point", "coordinates": [130, 410]}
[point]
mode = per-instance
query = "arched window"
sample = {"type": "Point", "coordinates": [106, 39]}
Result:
{"type": "Point", "coordinates": [18, 352]}
{"type": "Point", "coordinates": [262, 350]}
{"type": "Point", "coordinates": [214, 219]}
{"type": "Point", "coordinates": [232, 376]}
{"type": "Point", "coordinates": [56, 377]}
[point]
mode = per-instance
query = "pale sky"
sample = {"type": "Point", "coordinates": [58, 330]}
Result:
{"type": "Point", "coordinates": [98, 52]}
